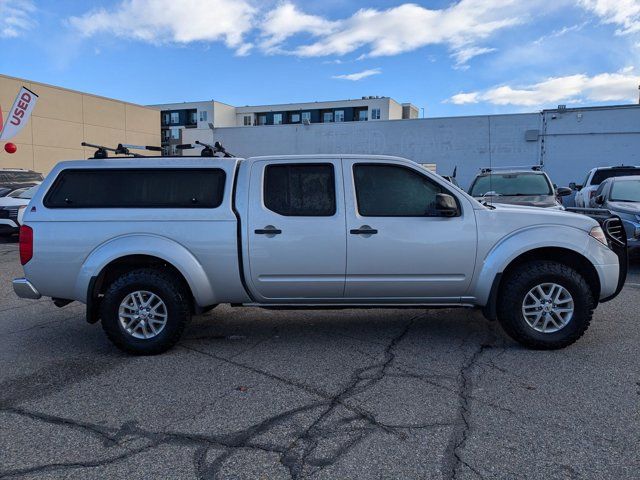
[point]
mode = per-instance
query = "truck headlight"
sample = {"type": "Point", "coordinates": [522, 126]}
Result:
{"type": "Point", "coordinates": [598, 234]}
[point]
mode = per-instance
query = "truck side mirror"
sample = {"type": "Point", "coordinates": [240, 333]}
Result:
{"type": "Point", "coordinates": [599, 200]}
{"type": "Point", "coordinates": [573, 186]}
{"type": "Point", "coordinates": [563, 191]}
{"type": "Point", "coordinates": [446, 205]}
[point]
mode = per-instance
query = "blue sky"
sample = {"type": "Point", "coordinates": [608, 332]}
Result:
{"type": "Point", "coordinates": [450, 57]}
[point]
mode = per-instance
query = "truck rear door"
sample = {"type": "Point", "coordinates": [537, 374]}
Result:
{"type": "Point", "coordinates": [296, 230]}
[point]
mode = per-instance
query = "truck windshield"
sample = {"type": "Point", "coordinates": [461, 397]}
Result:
{"type": "Point", "coordinates": [601, 175]}
{"type": "Point", "coordinates": [512, 184]}
{"type": "Point", "coordinates": [627, 191]}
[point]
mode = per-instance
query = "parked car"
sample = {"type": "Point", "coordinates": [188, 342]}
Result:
{"type": "Point", "coordinates": [12, 207]}
{"type": "Point", "coordinates": [148, 242]}
{"type": "Point", "coordinates": [14, 178]}
{"type": "Point", "coordinates": [586, 191]}
{"type": "Point", "coordinates": [517, 187]}
{"type": "Point", "coordinates": [621, 196]}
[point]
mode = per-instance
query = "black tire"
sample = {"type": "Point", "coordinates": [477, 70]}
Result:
{"type": "Point", "coordinates": [168, 289]}
{"type": "Point", "coordinates": [516, 285]}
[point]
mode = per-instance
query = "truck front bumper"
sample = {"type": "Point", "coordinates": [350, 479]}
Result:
{"type": "Point", "coordinates": [24, 289]}
{"type": "Point", "coordinates": [609, 276]}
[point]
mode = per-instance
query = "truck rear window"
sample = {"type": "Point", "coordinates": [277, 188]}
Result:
{"type": "Point", "coordinates": [20, 177]}
{"type": "Point", "coordinates": [601, 175]}
{"type": "Point", "coordinates": [137, 188]}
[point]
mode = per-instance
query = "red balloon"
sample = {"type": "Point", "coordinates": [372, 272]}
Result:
{"type": "Point", "coordinates": [10, 147]}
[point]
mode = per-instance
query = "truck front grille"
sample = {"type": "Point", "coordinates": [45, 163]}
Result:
{"type": "Point", "coordinates": [614, 229]}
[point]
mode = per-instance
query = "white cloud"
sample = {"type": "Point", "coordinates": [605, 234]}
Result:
{"type": "Point", "coordinates": [287, 20]}
{"type": "Point", "coordinates": [16, 17]}
{"type": "Point", "coordinates": [465, 54]}
{"type": "Point", "coordinates": [185, 21]}
{"type": "Point", "coordinates": [354, 77]}
{"type": "Point", "coordinates": [624, 13]}
{"type": "Point", "coordinates": [620, 86]}
{"type": "Point", "coordinates": [399, 29]}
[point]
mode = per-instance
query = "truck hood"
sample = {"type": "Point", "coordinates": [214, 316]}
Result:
{"type": "Point", "coordinates": [624, 207]}
{"type": "Point", "coordinates": [10, 201]}
{"type": "Point", "coordinates": [540, 201]}
{"type": "Point", "coordinates": [514, 217]}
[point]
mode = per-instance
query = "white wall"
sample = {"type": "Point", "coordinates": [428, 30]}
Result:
{"type": "Point", "coordinates": [223, 116]}
{"type": "Point", "coordinates": [572, 145]}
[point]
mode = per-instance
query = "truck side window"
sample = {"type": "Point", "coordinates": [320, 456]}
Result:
{"type": "Point", "coordinates": [300, 189]}
{"type": "Point", "coordinates": [137, 188]}
{"type": "Point", "coordinates": [393, 191]}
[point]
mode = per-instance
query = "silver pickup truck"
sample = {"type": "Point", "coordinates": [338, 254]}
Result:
{"type": "Point", "coordinates": [148, 242]}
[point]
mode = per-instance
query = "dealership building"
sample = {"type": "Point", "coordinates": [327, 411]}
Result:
{"type": "Point", "coordinates": [62, 119]}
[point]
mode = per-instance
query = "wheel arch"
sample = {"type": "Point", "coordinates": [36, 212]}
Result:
{"type": "Point", "coordinates": [137, 251]}
{"type": "Point", "coordinates": [562, 255]}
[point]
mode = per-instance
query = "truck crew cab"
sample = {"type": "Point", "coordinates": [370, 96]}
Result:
{"type": "Point", "coordinates": [148, 242]}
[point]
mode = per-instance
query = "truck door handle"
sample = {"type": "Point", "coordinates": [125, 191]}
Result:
{"type": "Point", "coordinates": [364, 230]}
{"type": "Point", "coordinates": [268, 230]}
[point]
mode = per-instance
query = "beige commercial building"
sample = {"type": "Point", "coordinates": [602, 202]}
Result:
{"type": "Point", "coordinates": [63, 119]}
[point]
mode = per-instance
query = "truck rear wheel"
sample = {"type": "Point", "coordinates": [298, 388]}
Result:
{"type": "Point", "coordinates": [545, 305]}
{"type": "Point", "coordinates": [145, 311]}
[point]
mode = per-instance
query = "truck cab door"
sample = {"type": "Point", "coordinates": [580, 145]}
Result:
{"type": "Point", "coordinates": [296, 230]}
{"type": "Point", "coordinates": [398, 247]}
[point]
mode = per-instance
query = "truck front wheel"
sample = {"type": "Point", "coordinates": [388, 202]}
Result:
{"type": "Point", "coordinates": [145, 311]}
{"type": "Point", "coordinates": [545, 305]}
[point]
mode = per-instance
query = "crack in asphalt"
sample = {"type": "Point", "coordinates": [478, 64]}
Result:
{"type": "Point", "coordinates": [296, 456]}
{"type": "Point", "coordinates": [453, 460]}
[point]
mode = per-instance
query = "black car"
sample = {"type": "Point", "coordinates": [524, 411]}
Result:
{"type": "Point", "coordinates": [13, 178]}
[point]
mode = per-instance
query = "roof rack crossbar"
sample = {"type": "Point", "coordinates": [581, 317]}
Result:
{"type": "Point", "coordinates": [536, 168]}
{"type": "Point", "coordinates": [122, 149]}
{"type": "Point", "coordinates": [208, 150]}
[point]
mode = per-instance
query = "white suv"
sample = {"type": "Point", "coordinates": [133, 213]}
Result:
{"type": "Point", "coordinates": [586, 191]}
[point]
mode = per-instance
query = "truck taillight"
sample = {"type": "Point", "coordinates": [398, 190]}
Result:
{"type": "Point", "coordinates": [26, 244]}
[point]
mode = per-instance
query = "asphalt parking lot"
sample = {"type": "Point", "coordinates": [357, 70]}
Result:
{"type": "Point", "coordinates": [249, 393]}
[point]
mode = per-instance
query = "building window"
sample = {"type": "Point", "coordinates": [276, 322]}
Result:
{"type": "Point", "coordinates": [175, 117]}
{"type": "Point", "coordinates": [247, 120]}
{"type": "Point", "coordinates": [300, 190]}
{"type": "Point", "coordinates": [295, 118]}
{"type": "Point", "coordinates": [277, 119]}
{"type": "Point", "coordinates": [203, 115]}
{"type": "Point", "coordinates": [192, 116]}
{"type": "Point", "coordinates": [175, 133]}
{"type": "Point", "coordinates": [375, 114]}
{"type": "Point", "coordinates": [339, 116]}
{"type": "Point", "coordinates": [167, 118]}
{"type": "Point", "coordinates": [306, 117]}
{"type": "Point", "coordinates": [327, 117]}
{"type": "Point", "coordinates": [362, 115]}
{"type": "Point", "coordinates": [262, 119]}
{"type": "Point", "coordinates": [166, 133]}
